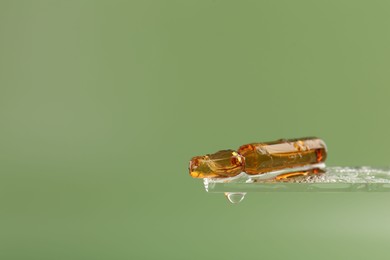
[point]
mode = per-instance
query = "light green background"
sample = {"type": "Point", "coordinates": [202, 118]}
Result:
{"type": "Point", "coordinates": [103, 103]}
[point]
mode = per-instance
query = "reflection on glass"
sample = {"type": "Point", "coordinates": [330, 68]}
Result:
{"type": "Point", "coordinates": [313, 178]}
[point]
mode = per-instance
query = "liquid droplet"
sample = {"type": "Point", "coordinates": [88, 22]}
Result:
{"type": "Point", "coordinates": [235, 197]}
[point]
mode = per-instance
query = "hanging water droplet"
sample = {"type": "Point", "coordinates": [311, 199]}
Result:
{"type": "Point", "coordinates": [235, 197]}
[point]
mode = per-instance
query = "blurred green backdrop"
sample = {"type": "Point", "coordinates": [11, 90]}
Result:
{"type": "Point", "coordinates": [103, 103]}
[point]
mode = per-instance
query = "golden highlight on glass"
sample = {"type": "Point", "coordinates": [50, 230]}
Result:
{"type": "Point", "coordinates": [258, 158]}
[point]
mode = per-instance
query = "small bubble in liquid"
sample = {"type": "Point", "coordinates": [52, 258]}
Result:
{"type": "Point", "coordinates": [235, 197]}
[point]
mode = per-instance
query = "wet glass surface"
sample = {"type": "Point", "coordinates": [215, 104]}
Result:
{"type": "Point", "coordinates": [330, 179]}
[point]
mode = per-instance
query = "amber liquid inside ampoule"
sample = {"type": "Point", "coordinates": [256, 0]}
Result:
{"type": "Point", "coordinates": [271, 156]}
{"type": "Point", "coordinates": [294, 176]}
{"type": "Point", "coordinates": [298, 175]}
{"type": "Point", "coordinates": [226, 163]}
